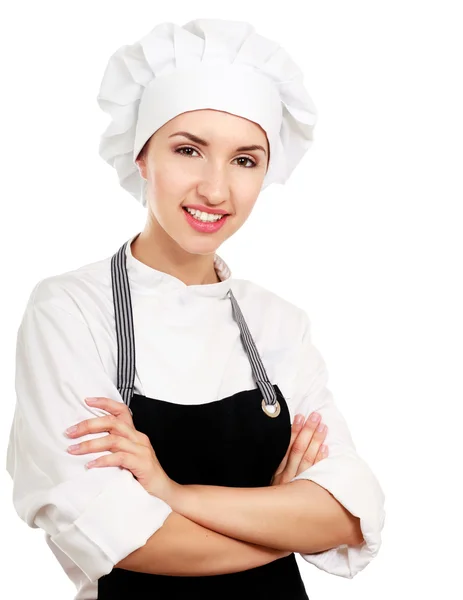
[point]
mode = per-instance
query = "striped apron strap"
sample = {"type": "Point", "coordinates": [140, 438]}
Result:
{"type": "Point", "coordinates": [124, 325]}
{"type": "Point", "coordinates": [270, 404]}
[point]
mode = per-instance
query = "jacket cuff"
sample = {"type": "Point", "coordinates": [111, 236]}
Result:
{"type": "Point", "coordinates": [117, 522]}
{"type": "Point", "coordinates": [350, 480]}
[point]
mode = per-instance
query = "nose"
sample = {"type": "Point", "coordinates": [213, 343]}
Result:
{"type": "Point", "coordinates": [214, 185]}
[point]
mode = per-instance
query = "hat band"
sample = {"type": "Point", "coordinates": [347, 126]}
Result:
{"type": "Point", "coordinates": [238, 90]}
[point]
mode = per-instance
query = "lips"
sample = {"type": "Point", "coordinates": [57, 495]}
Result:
{"type": "Point", "coordinates": [204, 226]}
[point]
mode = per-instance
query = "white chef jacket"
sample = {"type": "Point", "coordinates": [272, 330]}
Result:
{"type": "Point", "coordinates": [188, 350]}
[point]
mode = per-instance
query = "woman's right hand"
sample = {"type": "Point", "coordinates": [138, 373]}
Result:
{"type": "Point", "coordinates": [305, 449]}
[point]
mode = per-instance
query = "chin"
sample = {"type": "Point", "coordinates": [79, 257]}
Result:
{"type": "Point", "coordinates": [198, 246]}
{"type": "Point", "coordinates": [203, 249]}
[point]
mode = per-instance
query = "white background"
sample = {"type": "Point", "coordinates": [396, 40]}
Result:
{"type": "Point", "coordinates": [366, 236]}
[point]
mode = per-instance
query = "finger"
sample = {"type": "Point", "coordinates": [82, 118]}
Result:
{"type": "Point", "coordinates": [108, 423]}
{"type": "Point", "coordinates": [118, 459]}
{"type": "Point", "coordinates": [113, 443]}
{"type": "Point", "coordinates": [309, 457]}
{"type": "Point", "coordinates": [295, 429]}
{"type": "Point", "coordinates": [115, 407]}
{"type": "Point", "coordinates": [322, 453]}
{"type": "Point", "coordinates": [300, 446]}
{"type": "Point", "coordinates": [138, 466]}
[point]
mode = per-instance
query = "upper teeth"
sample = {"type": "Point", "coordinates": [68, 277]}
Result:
{"type": "Point", "coordinates": [203, 216]}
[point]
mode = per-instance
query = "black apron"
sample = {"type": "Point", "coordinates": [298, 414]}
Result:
{"type": "Point", "coordinates": [238, 441]}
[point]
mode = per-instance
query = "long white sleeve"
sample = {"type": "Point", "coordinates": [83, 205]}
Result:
{"type": "Point", "coordinates": [343, 473]}
{"type": "Point", "coordinates": [95, 516]}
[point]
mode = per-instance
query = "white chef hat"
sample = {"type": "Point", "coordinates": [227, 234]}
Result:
{"type": "Point", "coordinates": [206, 63]}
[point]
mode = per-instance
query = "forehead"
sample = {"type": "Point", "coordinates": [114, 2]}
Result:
{"type": "Point", "coordinates": [214, 124]}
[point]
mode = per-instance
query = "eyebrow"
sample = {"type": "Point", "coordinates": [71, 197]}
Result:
{"type": "Point", "coordinates": [201, 142]}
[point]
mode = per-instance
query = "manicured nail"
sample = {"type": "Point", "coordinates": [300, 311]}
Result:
{"type": "Point", "coordinates": [298, 420]}
{"type": "Point", "coordinates": [321, 428]}
{"type": "Point", "coordinates": [90, 400]}
{"type": "Point", "coordinates": [71, 429]}
{"type": "Point", "coordinates": [314, 417]}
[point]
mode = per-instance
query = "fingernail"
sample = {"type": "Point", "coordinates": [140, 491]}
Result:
{"type": "Point", "coordinates": [71, 429]}
{"type": "Point", "coordinates": [314, 417]}
{"type": "Point", "coordinates": [90, 400]}
{"type": "Point", "coordinates": [298, 420]}
{"type": "Point", "coordinates": [321, 428]}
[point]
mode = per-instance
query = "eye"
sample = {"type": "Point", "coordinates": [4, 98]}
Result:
{"type": "Point", "coordinates": [245, 158]}
{"type": "Point", "coordinates": [253, 163]}
{"type": "Point", "coordinates": [178, 150]}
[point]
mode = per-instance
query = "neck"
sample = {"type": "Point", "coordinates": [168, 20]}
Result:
{"type": "Point", "coordinates": [160, 252]}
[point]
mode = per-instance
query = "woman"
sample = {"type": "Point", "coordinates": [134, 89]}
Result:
{"type": "Point", "coordinates": [197, 377]}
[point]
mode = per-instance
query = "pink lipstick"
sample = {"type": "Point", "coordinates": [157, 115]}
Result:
{"type": "Point", "coordinates": [202, 226]}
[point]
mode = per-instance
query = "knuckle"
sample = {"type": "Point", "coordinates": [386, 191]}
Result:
{"type": "Point", "coordinates": [308, 458]}
{"type": "Point", "coordinates": [144, 451]}
{"type": "Point", "coordinates": [318, 458]}
{"type": "Point", "coordinates": [84, 427]}
{"type": "Point", "coordinates": [142, 438]}
{"type": "Point", "coordinates": [113, 440]}
{"type": "Point", "coordinates": [310, 451]}
{"type": "Point", "coordinates": [298, 447]}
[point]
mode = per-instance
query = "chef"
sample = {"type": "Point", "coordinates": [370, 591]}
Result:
{"type": "Point", "coordinates": [206, 371]}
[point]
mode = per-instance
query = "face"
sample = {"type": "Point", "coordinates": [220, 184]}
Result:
{"type": "Point", "coordinates": [208, 170]}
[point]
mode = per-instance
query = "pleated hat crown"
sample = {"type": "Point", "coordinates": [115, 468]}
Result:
{"type": "Point", "coordinates": [206, 63]}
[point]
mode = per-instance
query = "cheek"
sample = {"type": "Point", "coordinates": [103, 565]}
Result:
{"type": "Point", "coordinates": [169, 180]}
{"type": "Point", "coordinates": [246, 192]}
{"type": "Point", "coordinates": [249, 183]}
{"type": "Point", "coordinates": [244, 204]}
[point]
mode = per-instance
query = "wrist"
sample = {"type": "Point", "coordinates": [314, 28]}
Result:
{"type": "Point", "coordinates": [173, 494]}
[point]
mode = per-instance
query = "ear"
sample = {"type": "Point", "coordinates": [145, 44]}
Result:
{"type": "Point", "coordinates": [141, 164]}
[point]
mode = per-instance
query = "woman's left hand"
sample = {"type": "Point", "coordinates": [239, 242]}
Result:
{"type": "Point", "coordinates": [131, 449]}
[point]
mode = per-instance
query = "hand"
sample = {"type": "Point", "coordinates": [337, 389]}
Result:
{"type": "Point", "coordinates": [304, 450]}
{"type": "Point", "coordinates": [131, 449]}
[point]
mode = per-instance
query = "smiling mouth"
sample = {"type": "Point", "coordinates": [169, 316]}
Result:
{"type": "Point", "coordinates": [208, 225]}
{"type": "Point", "coordinates": [222, 215]}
